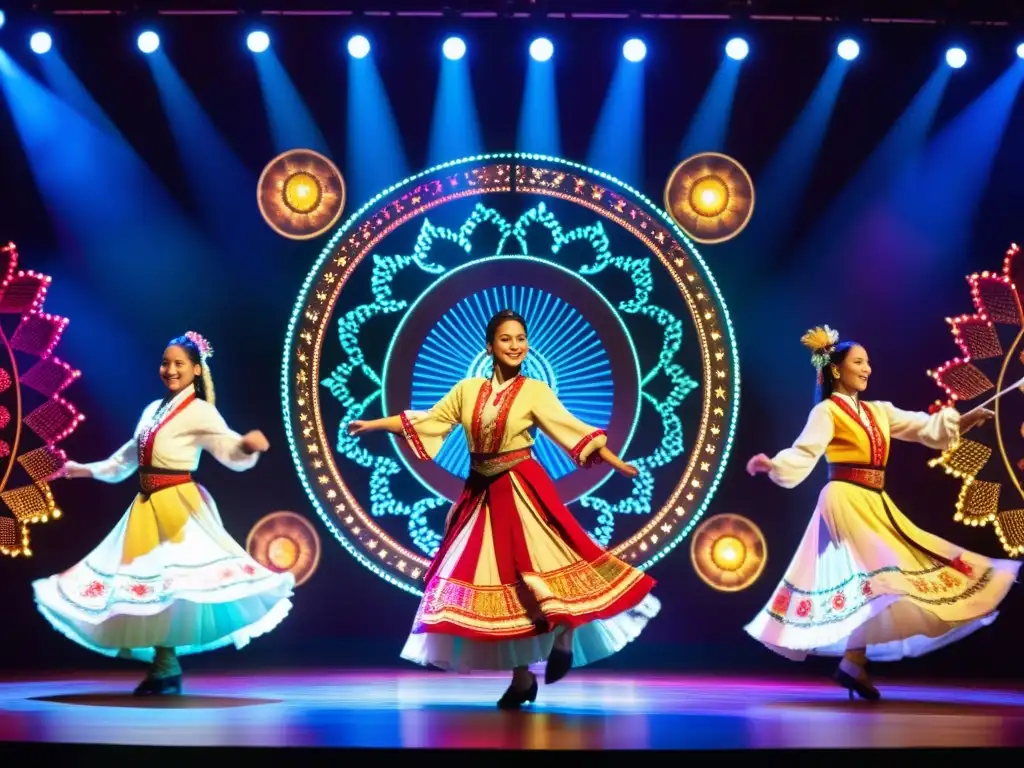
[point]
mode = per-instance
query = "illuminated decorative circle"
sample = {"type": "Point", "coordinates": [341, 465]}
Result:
{"type": "Point", "coordinates": [285, 541]}
{"type": "Point", "coordinates": [991, 342]}
{"type": "Point", "coordinates": [434, 239]}
{"type": "Point", "coordinates": [728, 552]}
{"type": "Point", "coordinates": [301, 194]}
{"type": "Point", "coordinates": [34, 416]}
{"type": "Point", "coordinates": [711, 196]}
{"type": "Point", "coordinates": [567, 318]}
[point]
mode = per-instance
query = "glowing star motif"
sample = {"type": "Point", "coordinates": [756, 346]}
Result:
{"type": "Point", "coordinates": [728, 552]}
{"type": "Point", "coordinates": [301, 194]}
{"type": "Point", "coordinates": [432, 300]}
{"type": "Point", "coordinates": [711, 196]}
{"type": "Point", "coordinates": [285, 541]}
{"type": "Point", "coordinates": [34, 417]}
{"type": "Point", "coordinates": [984, 369]}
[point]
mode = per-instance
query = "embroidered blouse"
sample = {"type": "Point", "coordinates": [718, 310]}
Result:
{"type": "Point", "coordinates": [172, 435]}
{"type": "Point", "coordinates": [497, 419]}
{"type": "Point", "coordinates": [848, 432]}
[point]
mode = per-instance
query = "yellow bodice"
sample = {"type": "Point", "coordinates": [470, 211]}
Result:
{"type": "Point", "coordinates": [853, 441]}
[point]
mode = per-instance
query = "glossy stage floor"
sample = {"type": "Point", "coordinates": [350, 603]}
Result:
{"type": "Point", "coordinates": [586, 711]}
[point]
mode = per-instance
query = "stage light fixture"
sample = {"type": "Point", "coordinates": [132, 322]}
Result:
{"type": "Point", "coordinates": [634, 50]}
{"type": "Point", "coordinates": [1020, 51]}
{"type": "Point", "coordinates": [848, 49]}
{"type": "Point", "coordinates": [258, 41]}
{"type": "Point", "coordinates": [454, 48]}
{"type": "Point", "coordinates": [148, 41]}
{"type": "Point", "coordinates": [358, 47]}
{"type": "Point", "coordinates": [541, 49]}
{"type": "Point", "coordinates": [737, 49]}
{"type": "Point", "coordinates": [956, 57]}
{"type": "Point", "coordinates": [40, 42]}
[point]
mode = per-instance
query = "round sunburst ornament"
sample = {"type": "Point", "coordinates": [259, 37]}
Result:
{"type": "Point", "coordinates": [285, 541]}
{"type": "Point", "coordinates": [728, 552]}
{"type": "Point", "coordinates": [301, 194]}
{"type": "Point", "coordinates": [710, 196]}
{"type": "Point", "coordinates": [34, 416]}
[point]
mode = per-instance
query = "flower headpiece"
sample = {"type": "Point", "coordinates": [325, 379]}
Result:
{"type": "Point", "coordinates": [205, 350]}
{"type": "Point", "coordinates": [822, 343]}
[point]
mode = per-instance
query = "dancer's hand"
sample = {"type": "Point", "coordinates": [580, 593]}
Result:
{"type": "Point", "coordinates": [759, 464]}
{"type": "Point", "coordinates": [255, 442]}
{"type": "Point", "coordinates": [974, 419]}
{"type": "Point", "coordinates": [629, 470]}
{"type": "Point", "coordinates": [73, 469]}
{"type": "Point", "coordinates": [359, 427]}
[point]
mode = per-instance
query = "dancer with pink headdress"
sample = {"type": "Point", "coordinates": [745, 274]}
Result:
{"type": "Point", "coordinates": [169, 579]}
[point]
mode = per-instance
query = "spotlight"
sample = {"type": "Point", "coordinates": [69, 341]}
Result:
{"type": "Point", "coordinates": [148, 41]}
{"type": "Point", "coordinates": [848, 49]}
{"type": "Point", "coordinates": [634, 50]}
{"type": "Point", "coordinates": [956, 57]}
{"type": "Point", "coordinates": [358, 47]}
{"type": "Point", "coordinates": [3, 18]}
{"type": "Point", "coordinates": [737, 49]}
{"type": "Point", "coordinates": [541, 49]}
{"type": "Point", "coordinates": [454, 48]}
{"type": "Point", "coordinates": [1020, 51]}
{"type": "Point", "coordinates": [258, 41]}
{"type": "Point", "coordinates": [40, 42]}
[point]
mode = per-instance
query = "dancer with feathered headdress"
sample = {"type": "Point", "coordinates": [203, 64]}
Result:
{"type": "Point", "coordinates": [865, 582]}
{"type": "Point", "coordinates": [169, 579]}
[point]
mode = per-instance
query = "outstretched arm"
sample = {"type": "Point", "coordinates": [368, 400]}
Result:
{"type": "Point", "coordinates": [392, 424]}
{"type": "Point", "coordinates": [616, 463]}
{"type": "Point", "coordinates": [425, 431]}
{"type": "Point", "coordinates": [120, 465]}
{"type": "Point", "coordinates": [231, 449]}
{"type": "Point", "coordinates": [937, 430]}
{"type": "Point", "coordinates": [791, 466]}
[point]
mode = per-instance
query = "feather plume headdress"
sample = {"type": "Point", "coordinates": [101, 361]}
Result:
{"type": "Point", "coordinates": [822, 343]}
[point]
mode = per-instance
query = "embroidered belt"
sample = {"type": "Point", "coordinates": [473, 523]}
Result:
{"type": "Point", "coordinates": [492, 464]}
{"type": "Point", "coordinates": [864, 475]}
{"type": "Point", "coordinates": [153, 479]}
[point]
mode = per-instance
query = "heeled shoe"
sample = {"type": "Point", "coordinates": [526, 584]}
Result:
{"type": "Point", "coordinates": [558, 666]}
{"type": "Point", "coordinates": [853, 685]}
{"type": "Point", "coordinates": [159, 686]}
{"type": "Point", "coordinates": [515, 698]}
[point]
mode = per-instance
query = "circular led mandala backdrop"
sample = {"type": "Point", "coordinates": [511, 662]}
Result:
{"type": "Point", "coordinates": [625, 323]}
{"type": "Point", "coordinates": [711, 196]}
{"type": "Point", "coordinates": [285, 541]}
{"type": "Point", "coordinates": [728, 552]}
{"type": "Point", "coordinates": [34, 417]}
{"type": "Point", "coordinates": [991, 342]}
{"type": "Point", "coordinates": [301, 194]}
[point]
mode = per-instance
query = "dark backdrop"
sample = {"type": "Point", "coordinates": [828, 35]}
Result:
{"type": "Point", "coordinates": [236, 283]}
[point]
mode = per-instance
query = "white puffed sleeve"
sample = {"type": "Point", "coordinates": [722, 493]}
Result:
{"type": "Point", "coordinates": [791, 466]}
{"type": "Point", "coordinates": [125, 460]}
{"type": "Point", "coordinates": [211, 433]}
{"type": "Point", "coordinates": [938, 430]}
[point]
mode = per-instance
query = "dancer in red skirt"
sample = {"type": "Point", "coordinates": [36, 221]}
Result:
{"type": "Point", "coordinates": [516, 580]}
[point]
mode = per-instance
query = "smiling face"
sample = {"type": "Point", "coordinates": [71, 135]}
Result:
{"type": "Point", "coordinates": [509, 345]}
{"type": "Point", "coordinates": [177, 371]}
{"type": "Point", "coordinates": [855, 369]}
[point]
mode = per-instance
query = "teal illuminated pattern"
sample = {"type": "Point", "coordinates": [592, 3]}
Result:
{"type": "Point", "coordinates": [315, 446]}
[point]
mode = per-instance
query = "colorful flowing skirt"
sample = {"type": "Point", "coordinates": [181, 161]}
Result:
{"type": "Point", "coordinates": [168, 575]}
{"type": "Point", "coordinates": [514, 566]}
{"type": "Point", "coordinates": [865, 577]}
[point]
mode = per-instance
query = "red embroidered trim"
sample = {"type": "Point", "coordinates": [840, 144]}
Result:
{"type": "Point", "coordinates": [151, 482]}
{"type": "Point", "coordinates": [478, 416]}
{"type": "Point", "coordinates": [148, 435]}
{"type": "Point", "coordinates": [577, 451]}
{"type": "Point", "coordinates": [502, 418]}
{"type": "Point", "coordinates": [409, 432]}
{"type": "Point", "coordinates": [875, 439]}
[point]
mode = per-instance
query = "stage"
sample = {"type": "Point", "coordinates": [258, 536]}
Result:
{"type": "Point", "coordinates": [423, 710]}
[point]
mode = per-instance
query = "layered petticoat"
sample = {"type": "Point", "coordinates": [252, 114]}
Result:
{"type": "Point", "coordinates": [515, 568]}
{"type": "Point", "coordinates": [864, 576]}
{"type": "Point", "coordinates": [168, 575]}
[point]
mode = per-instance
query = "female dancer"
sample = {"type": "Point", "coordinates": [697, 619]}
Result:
{"type": "Point", "coordinates": [865, 582]}
{"type": "Point", "coordinates": [516, 579]}
{"type": "Point", "coordinates": [169, 579]}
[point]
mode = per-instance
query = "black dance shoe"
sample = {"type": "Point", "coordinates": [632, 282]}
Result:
{"type": "Point", "coordinates": [159, 686]}
{"type": "Point", "coordinates": [514, 699]}
{"type": "Point", "coordinates": [558, 666]}
{"type": "Point", "coordinates": [853, 685]}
